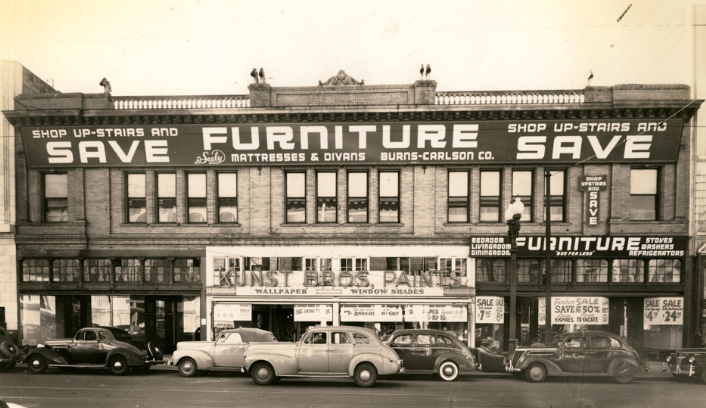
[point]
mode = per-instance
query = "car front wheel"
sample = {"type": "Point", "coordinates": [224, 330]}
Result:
{"type": "Point", "coordinates": [536, 373]}
{"type": "Point", "coordinates": [118, 365]}
{"type": "Point", "coordinates": [263, 374]}
{"type": "Point", "coordinates": [448, 371]}
{"type": "Point", "coordinates": [37, 364]}
{"type": "Point", "coordinates": [187, 367]}
{"type": "Point", "coordinates": [365, 375]}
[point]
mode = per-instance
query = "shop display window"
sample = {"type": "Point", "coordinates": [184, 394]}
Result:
{"type": "Point", "coordinates": [156, 270]}
{"type": "Point", "coordinates": [628, 270]}
{"type": "Point", "coordinates": [38, 316]}
{"type": "Point", "coordinates": [591, 270]}
{"type": "Point", "coordinates": [166, 197]}
{"type": "Point", "coordinates": [458, 196]}
{"type": "Point", "coordinates": [97, 270]}
{"type": "Point", "coordinates": [136, 201]}
{"type": "Point", "coordinates": [187, 270]}
{"type": "Point", "coordinates": [66, 270]}
{"type": "Point", "coordinates": [35, 270]}
{"type": "Point", "coordinates": [490, 270]}
{"type": "Point", "coordinates": [664, 270]}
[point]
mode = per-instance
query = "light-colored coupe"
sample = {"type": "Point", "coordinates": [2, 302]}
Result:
{"type": "Point", "coordinates": [332, 351]}
{"type": "Point", "coordinates": [226, 352]}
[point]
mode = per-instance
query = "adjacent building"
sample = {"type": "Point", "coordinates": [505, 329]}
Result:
{"type": "Point", "coordinates": [343, 203]}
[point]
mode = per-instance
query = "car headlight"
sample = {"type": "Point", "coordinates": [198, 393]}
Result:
{"type": "Point", "coordinates": [669, 358]}
{"type": "Point", "coordinates": [690, 360]}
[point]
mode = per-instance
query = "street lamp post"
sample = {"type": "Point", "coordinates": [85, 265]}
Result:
{"type": "Point", "coordinates": [512, 215]}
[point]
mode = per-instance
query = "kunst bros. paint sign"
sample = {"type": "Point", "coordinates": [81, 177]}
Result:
{"type": "Point", "coordinates": [438, 142]}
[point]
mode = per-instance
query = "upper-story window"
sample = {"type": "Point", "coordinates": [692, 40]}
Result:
{"type": "Point", "coordinates": [296, 197]}
{"type": "Point", "coordinates": [490, 196]}
{"type": "Point", "coordinates": [389, 196]}
{"type": "Point", "coordinates": [136, 199]}
{"type": "Point", "coordinates": [458, 196]}
{"type": "Point", "coordinates": [522, 189]}
{"type": "Point", "coordinates": [66, 270]}
{"type": "Point", "coordinates": [35, 270]}
{"type": "Point", "coordinates": [196, 203]}
{"type": "Point", "coordinates": [56, 198]}
{"type": "Point", "coordinates": [227, 197]}
{"type": "Point", "coordinates": [664, 270]}
{"type": "Point", "coordinates": [643, 194]}
{"type": "Point", "coordinates": [166, 197]}
{"type": "Point", "coordinates": [591, 270]}
{"type": "Point", "coordinates": [357, 197]}
{"type": "Point", "coordinates": [556, 198]}
{"type": "Point", "coordinates": [326, 197]}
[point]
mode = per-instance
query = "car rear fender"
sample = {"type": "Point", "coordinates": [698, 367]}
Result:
{"type": "Point", "coordinates": [552, 368]}
{"type": "Point", "coordinates": [51, 356]}
{"type": "Point", "coordinates": [625, 366]}
{"type": "Point", "coordinates": [375, 359]}
{"type": "Point", "coordinates": [283, 364]}
{"type": "Point", "coordinates": [461, 362]}
{"type": "Point", "coordinates": [203, 359]}
{"type": "Point", "coordinates": [133, 359]}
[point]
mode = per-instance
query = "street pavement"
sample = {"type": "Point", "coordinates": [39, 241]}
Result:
{"type": "Point", "coordinates": [164, 387]}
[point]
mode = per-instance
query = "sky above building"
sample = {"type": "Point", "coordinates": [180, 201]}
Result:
{"type": "Point", "coordinates": [192, 47]}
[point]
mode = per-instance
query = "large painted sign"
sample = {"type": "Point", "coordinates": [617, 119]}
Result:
{"type": "Point", "coordinates": [663, 311]}
{"type": "Point", "coordinates": [592, 310]}
{"type": "Point", "coordinates": [438, 142]}
{"type": "Point", "coordinates": [605, 246]}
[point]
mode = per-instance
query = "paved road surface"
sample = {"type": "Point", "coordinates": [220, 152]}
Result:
{"type": "Point", "coordinates": [158, 388]}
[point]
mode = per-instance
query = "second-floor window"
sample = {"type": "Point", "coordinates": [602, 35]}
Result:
{"type": "Point", "coordinates": [296, 197]}
{"type": "Point", "coordinates": [326, 197]}
{"type": "Point", "coordinates": [556, 198]}
{"type": "Point", "coordinates": [389, 196]}
{"type": "Point", "coordinates": [166, 197]}
{"type": "Point", "coordinates": [490, 196]}
{"type": "Point", "coordinates": [136, 201]}
{"type": "Point", "coordinates": [458, 196]}
{"type": "Point", "coordinates": [643, 194]}
{"type": "Point", "coordinates": [196, 201]}
{"type": "Point", "coordinates": [522, 189]}
{"type": "Point", "coordinates": [56, 198]}
{"type": "Point", "coordinates": [357, 197]}
{"type": "Point", "coordinates": [227, 197]}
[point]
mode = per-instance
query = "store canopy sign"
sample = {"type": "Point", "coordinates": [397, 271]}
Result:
{"type": "Point", "coordinates": [371, 313]}
{"type": "Point", "coordinates": [490, 309]}
{"type": "Point", "coordinates": [365, 143]}
{"type": "Point", "coordinates": [663, 311]}
{"type": "Point", "coordinates": [313, 313]}
{"type": "Point", "coordinates": [225, 314]}
{"type": "Point", "coordinates": [605, 246]}
{"type": "Point", "coordinates": [589, 310]}
{"type": "Point", "coordinates": [435, 313]}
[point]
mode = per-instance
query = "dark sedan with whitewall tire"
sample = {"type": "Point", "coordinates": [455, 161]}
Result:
{"type": "Point", "coordinates": [95, 347]}
{"type": "Point", "coordinates": [432, 352]}
{"type": "Point", "coordinates": [583, 354]}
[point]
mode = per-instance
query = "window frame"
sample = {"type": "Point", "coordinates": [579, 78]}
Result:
{"type": "Point", "coordinates": [158, 198]}
{"type": "Point", "coordinates": [499, 200]}
{"type": "Point", "coordinates": [219, 198]}
{"type": "Point", "coordinates": [528, 201]}
{"type": "Point", "coordinates": [128, 197]}
{"type": "Point", "coordinates": [45, 199]}
{"type": "Point", "coordinates": [366, 197]}
{"type": "Point", "coordinates": [335, 197]}
{"type": "Point", "coordinates": [555, 197]}
{"type": "Point", "coordinates": [388, 198]}
{"type": "Point", "coordinates": [287, 198]}
{"type": "Point", "coordinates": [468, 196]}
{"type": "Point", "coordinates": [656, 195]}
{"type": "Point", "coordinates": [188, 198]}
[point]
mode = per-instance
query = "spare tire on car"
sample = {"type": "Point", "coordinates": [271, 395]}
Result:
{"type": "Point", "coordinates": [8, 349]}
{"type": "Point", "coordinates": [155, 350]}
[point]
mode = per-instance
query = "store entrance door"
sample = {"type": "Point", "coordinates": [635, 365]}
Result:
{"type": "Point", "coordinates": [160, 319]}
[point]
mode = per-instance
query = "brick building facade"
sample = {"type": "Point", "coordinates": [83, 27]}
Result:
{"type": "Point", "coordinates": [382, 206]}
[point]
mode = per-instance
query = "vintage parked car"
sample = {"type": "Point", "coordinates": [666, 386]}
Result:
{"type": "Point", "coordinates": [489, 361]}
{"type": "Point", "coordinates": [95, 347]}
{"type": "Point", "coordinates": [687, 363]}
{"type": "Point", "coordinates": [432, 352]}
{"type": "Point", "coordinates": [590, 353]}
{"type": "Point", "coordinates": [332, 351]}
{"type": "Point", "coordinates": [10, 354]}
{"type": "Point", "coordinates": [226, 352]}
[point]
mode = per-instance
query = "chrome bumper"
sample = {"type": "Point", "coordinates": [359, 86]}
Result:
{"type": "Point", "coordinates": [677, 370]}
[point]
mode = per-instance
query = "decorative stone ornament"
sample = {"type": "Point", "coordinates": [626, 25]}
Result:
{"type": "Point", "coordinates": [342, 79]}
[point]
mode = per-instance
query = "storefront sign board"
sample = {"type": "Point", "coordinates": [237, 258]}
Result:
{"type": "Point", "coordinates": [663, 311]}
{"type": "Point", "coordinates": [371, 313]}
{"type": "Point", "coordinates": [313, 313]}
{"type": "Point", "coordinates": [593, 185]}
{"type": "Point", "coordinates": [490, 309]}
{"type": "Point", "coordinates": [359, 143]}
{"type": "Point", "coordinates": [591, 310]}
{"type": "Point", "coordinates": [435, 313]}
{"type": "Point", "coordinates": [232, 312]}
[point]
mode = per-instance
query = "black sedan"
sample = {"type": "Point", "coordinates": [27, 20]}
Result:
{"type": "Point", "coordinates": [432, 352]}
{"type": "Point", "coordinates": [95, 347]}
{"type": "Point", "coordinates": [687, 363]}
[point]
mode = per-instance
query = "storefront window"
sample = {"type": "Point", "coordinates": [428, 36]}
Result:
{"type": "Point", "coordinates": [156, 270]}
{"type": "Point", "coordinates": [490, 270]}
{"type": "Point", "coordinates": [664, 270]}
{"type": "Point", "coordinates": [35, 270]}
{"type": "Point", "coordinates": [628, 270]}
{"type": "Point", "coordinates": [187, 270]}
{"type": "Point", "coordinates": [38, 317]}
{"type": "Point", "coordinates": [66, 270]}
{"type": "Point", "coordinates": [96, 270]}
{"type": "Point", "coordinates": [591, 270]}
{"type": "Point", "coordinates": [111, 311]}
